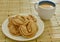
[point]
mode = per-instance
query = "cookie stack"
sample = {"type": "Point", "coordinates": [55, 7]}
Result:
{"type": "Point", "coordinates": [25, 26]}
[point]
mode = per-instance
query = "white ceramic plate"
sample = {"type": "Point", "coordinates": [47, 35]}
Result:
{"type": "Point", "coordinates": [5, 30]}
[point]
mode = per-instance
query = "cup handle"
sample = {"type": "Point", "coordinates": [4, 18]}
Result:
{"type": "Point", "coordinates": [36, 6]}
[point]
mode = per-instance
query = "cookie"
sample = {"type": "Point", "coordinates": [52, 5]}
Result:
{"type": "Point", "coordinates": [13, 29]}
{"type": "Point", "coordinates": [28, 31]}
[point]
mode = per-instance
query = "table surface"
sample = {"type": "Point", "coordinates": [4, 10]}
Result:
{"type": "Point", "coordinates": [12, 7]}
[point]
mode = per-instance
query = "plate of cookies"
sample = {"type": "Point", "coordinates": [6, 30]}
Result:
{"type": "Point", "coordinates": [23, 27]}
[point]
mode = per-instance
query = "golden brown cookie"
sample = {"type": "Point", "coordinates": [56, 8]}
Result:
{"type": "Point", "coordinates": [13, 29]}
{"type": "Point", "coordinates": [16, 21]}
{"type": "Point", "coordinates": [28, 31]}
{"type": "Point", "coordinates": [26, 21]}
{"type": "Point", "coordinates": [20, 17]}
{"type": "Point", "coordinates": [30, 17]}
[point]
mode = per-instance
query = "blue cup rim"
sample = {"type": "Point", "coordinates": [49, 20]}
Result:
{"type": "Point", "coordinates": [52, 3]}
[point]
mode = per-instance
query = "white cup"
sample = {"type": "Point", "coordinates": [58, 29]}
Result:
{"type": "Point", "coordinates": [47, 13]}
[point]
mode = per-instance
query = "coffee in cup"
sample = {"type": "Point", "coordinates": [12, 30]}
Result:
{"type": "Point", "coordinates": [46, 6]}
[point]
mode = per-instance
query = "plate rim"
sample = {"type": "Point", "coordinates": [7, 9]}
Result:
{"type": "Point", "coordinates": [24, 40]}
